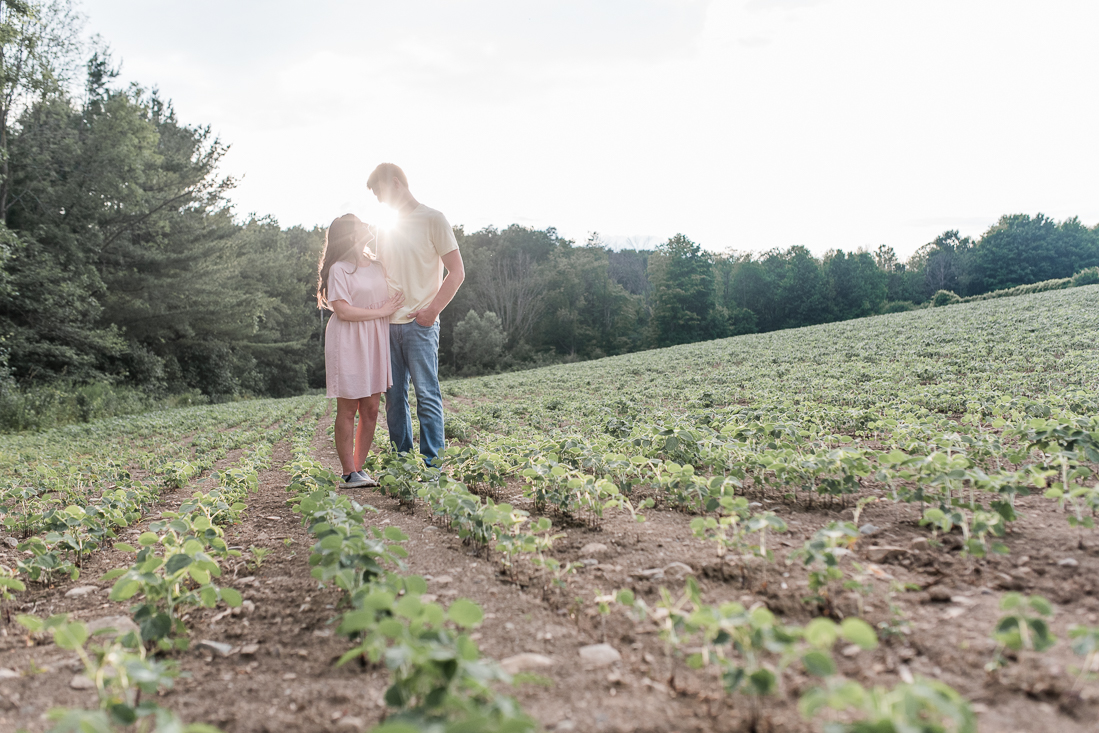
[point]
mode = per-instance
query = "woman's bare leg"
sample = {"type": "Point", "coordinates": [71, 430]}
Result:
{"type": "Point", "coordinates": [345, 432]}
{"type": "Point", "coordinates": [368, 420]}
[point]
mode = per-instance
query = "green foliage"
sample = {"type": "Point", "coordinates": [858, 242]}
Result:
{"type": "Point", "coordinates": [61, 403]}
{"type": "Point", "coordinates": [1085, 643]}
{"type": "Point", "coordinates": [923, 706]}
{"type": "Point", "coordinates": [1018, 629]}
{"type": "Point", "coordinates": [823, 554]}
{"type": "Point", "coordinates": [154, 283]}
{"type": "Point", "coordinates": [9, 582]}
{"type": "Point", "coordinates": [1020, 249]}
{"type": "Point", "coordinates": [479, 340]}
{"type": "Point", "coordinates": [172, 573]}
{"type": "Point", "coordinates": [944, 297]}
{"type": "Point", "coordinates": [121, 672]}
{"type": "Point", "coordinates": [752, 650]}
{"type": "Point", "coordinates": [684, 306]}
{"type": "Point", "coordinates": [1040, 287]}
{"type": "Point", "coordinates": [1088, 276]}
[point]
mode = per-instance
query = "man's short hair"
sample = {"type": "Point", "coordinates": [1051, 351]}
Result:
{"type": "Point", "coordinates": [386, 172]}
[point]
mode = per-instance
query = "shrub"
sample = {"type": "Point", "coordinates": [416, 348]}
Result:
{"type": "Point", "coordinates": [944, 297]}
{"type": "Point", "coordinates": [1090, 276]}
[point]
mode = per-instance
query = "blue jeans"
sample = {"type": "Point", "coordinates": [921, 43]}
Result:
{"type": "Point", "coordinates": [414, 353]}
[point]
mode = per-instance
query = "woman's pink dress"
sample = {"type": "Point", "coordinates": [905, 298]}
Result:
{"type": "Point", "coordinates": [356, 353]}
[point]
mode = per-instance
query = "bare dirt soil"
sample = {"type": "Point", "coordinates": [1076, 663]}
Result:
{"type": "Point", "coordinates": [280, 675]}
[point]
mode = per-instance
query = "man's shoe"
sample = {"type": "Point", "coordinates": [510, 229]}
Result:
{"type": "Point", "coordinates": [367, 478]}
{"type": "Point", "coordinates": [354, 480]}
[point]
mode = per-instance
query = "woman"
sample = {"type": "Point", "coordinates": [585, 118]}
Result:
{"type": "Point", "coordinates": [352, 284]}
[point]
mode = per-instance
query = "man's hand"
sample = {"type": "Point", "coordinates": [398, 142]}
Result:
{"type": "Point", "coordinates": [424, 317]}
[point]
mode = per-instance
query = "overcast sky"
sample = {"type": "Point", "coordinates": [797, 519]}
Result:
{"type": "Point", "coordinates": [744, 124]}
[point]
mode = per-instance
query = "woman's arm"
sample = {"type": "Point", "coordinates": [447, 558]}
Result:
{"type": "Point", "coordinates": [347, 312]}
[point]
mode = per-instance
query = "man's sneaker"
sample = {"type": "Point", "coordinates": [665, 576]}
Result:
{"type": "Point", "coordinates": [367, 478]}
{"type": "Point", "coordinates": [355, 480]}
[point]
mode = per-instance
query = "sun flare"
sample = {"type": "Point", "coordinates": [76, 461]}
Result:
{"type": "Point", "coordinates": [384, 218]}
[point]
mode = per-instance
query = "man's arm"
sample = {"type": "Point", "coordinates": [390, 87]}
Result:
{"type": "Point", "coordinates": [455, 276]}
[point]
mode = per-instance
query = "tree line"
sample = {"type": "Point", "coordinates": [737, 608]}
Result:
{"type": "Point", "coordinates": [122, 262]}
{"type": "Point", "coordinates": [532, 296]}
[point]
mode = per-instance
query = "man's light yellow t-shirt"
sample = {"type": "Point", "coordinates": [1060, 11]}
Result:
{"type": "Point", "coordinates": [411, 251]}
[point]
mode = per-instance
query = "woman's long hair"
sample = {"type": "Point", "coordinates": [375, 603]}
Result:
{"type": "Point", "coordinates": [345, 239]}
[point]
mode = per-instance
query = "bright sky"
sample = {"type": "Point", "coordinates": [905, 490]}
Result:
{"type": "Point", "coordinates": [744, 124]}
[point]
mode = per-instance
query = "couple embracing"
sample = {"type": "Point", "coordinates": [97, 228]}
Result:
{"type": "Point", "coordinates": [386, 288]}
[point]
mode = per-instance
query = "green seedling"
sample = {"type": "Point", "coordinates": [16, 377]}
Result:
{"type": "Point", "coordinates": [171, 574]}
{"type": "Point", "coordinates": [121, 672]}
{"type": "Point", "coordinates": [22, 507]}
{"type": "Point", "coordinates": [8, 582]}
{"type": "Point", "coordinates": [1085, 643]}
{"type": "Point", "coordinates": [1020, 630]}
{"type": "Point", "coordinates": [922, 706]}
{"type": "Point", "coordinates": [258, 553]}
{"type": "Point", "coordinates": [823, 555]}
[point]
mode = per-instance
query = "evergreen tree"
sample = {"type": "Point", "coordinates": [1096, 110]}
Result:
{"type": "Point", "coordinates": [684, 309]}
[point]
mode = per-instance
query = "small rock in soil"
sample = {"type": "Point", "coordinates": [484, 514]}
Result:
{"type": "Point", "coordinates": [1068, 562]}
{"type": "Point", "coordinates": [651, 574]}
{"type": "Point", "coordinates": [249, 650]}
{"type": "Point", "coordinates": [350, 722]}
{"type": "Point", "coordinates": [868, 529]}
{"type": "Point", "coordinates": [81, 590]}
{"type": "Point", "coordinates": [851, 650]}
{"type": "Point", "coordinates": [289, 676]}
{"type": "Point", "coordinates": [11, 542]}
{"type": "Point", "coordinates": [121, 625]}
{"type": "Point", "coordinates": [938, 594]}
{"type": "Point", "coordinates": [593, 548]}
{"type": "Point", "coordinates": [8, 674]}
{"type": "Point", "coordinates": [564, 725]}
{"type": "Point", "coordinates": [919, 544]}
{"type": "Point", "coordinates": [444, 579]}
{"type": "Point", "coordinates": [599, 655]}
{"type": "Point", "coordinates": [678, 569]}
{"type": "Point", "coordinates": [884, 554]}
{"type": "Point", "coordinates": [80, 682]}
{"type": "Point", "coordinates": [215, 646]}
{"type": "Point", "coordinates": [526, 660]}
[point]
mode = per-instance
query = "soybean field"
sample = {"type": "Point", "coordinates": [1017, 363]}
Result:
{"type": "Point", "coordinates": [885, 524]}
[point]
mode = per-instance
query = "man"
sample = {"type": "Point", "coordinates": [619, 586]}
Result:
{"type": "Point", "coordinates": [414, 252]}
